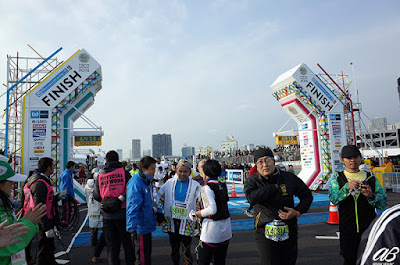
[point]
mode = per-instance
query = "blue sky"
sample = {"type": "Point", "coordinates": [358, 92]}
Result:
{"type": "Point", "coordinates": [202, 70]}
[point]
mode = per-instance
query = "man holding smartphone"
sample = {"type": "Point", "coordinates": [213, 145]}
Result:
{"type": "Point", "coordinates": [357, 194]}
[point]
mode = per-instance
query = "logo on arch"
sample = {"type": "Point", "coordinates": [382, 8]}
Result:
{"type": "Point", "coordinates": [39, 114]}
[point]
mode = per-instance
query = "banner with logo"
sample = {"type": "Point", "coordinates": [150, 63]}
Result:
{"type": "Point", "coordinates": [63, 81]}
{"type": "Point", "coordinates": [313, 87]}
{"type": "Point", "coordinates": [234, 175]}
{"type": "Point", "coordinates": [57, 92]}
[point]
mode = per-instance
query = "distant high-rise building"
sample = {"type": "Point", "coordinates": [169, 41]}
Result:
{"type": "Point", "coordinates": [230, 145]}
{"type": "Point", "coordinates": [247, 147]}
{"type": "Point", "coordinates": [146, 152]}
{"type": "Point", "coordinates": [378, 124]}
{"type": "Point", "coordinates": [119, 151]}
{"type": "Point", "coordinates": [203, 150]}
{"type": "Point", "coordinates": [187, 151]}
{"type": "Point", "coordinates": [136, 149]}
{"type": "Point", "coordinates": [162, 145]}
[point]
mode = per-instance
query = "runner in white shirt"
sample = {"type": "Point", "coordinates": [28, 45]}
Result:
{"type": "Point", "coordinates": [216, 226]}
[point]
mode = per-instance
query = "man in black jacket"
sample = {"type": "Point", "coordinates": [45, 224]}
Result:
{"type": "Point", "coordinates": [110, 189]}
{"type": "Point", "coordinates": [271, 191]}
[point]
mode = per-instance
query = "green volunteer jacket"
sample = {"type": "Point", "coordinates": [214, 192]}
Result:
{"type": "Point", "coordinates": [7, 251]}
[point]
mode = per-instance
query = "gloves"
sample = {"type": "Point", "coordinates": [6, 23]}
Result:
{"type": "Point", "coordinates": [192, 215]}
{"type": "Point", "coordinates": [62, 194]}
{"type": "Point", "coordinates": [160, 218]}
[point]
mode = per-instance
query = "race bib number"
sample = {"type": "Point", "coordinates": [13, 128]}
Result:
{"type": "Point", "coordinates": [18, 258]}
{"type": "Point", "coordinates": [179, 210]}
{"type": "Point", "coordinates": [277, 231]}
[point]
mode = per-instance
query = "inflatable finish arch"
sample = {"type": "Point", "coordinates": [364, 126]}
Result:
{"type": "Point", "coordinates": [320, 116]}
{"type": "Point", "coordinates": [53, 105]}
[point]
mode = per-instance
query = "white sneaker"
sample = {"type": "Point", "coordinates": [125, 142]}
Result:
{"type": "Point", "coordinates": [249, 214]}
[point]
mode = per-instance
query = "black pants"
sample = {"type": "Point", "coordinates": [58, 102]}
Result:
{"type": "Point", "coordinates": [143, 248]}
{"type": "Point", "coordinates": [208, 251]}
{"type": "Point", "coordinates": [65, 211]}
{"type": "Point", "coordinates": [45, 249]}
{"type": "Point", "coordinates": [276, 253]}
{"type": "Point", "coordinates": [115, 234]}
{"type": "Point", "coordinates": [28, 256]}
{"type": "Point", "coordinates": [93, 236]}
{"type": "Point", "coordinates": [177, 241]}
{"type": "Point", "coordinates": [100, 244]}
{"type": "Point", "coordinates": [349, 243]}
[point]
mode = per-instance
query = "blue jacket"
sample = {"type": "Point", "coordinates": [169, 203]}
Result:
{"type": "Point", "coordinates": [65, 182]}
{"type": "Point", "coordinates": [140, 215]}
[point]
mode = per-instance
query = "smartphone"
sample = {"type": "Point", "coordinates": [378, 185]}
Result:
{"type": "Point", "coordinates": [364, 182]}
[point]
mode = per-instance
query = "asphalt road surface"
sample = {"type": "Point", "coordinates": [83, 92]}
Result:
{"type": "Point", "coordinates": [242, 248]}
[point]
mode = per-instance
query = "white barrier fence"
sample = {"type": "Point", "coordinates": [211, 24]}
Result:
{"type": "Point", "coordinates": [391, 181]}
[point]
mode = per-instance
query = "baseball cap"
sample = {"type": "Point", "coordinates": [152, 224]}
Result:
{"type": "Point", "coordinates": [7, 173]}
{"type": "Point", "coordinates": [349, 151]}
{"type": "Point", "coordinates": [184, 162]}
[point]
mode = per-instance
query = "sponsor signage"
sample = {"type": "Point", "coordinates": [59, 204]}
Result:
{"type": "Point", "coordinates": [234, 175]}
{"type": "Point", "coordinates": [69, 84]}
{"type": "Point", "coordinates": [38, 143]}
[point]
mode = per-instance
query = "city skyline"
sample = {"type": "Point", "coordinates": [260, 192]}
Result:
{"type": "Point", "coordinates": [246, 146]}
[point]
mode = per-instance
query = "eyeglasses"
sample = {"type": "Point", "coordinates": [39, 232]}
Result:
{"type": "Point", "coordinates": [266, 161]}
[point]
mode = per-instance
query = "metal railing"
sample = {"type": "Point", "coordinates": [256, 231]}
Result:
{"type": "Point", "coordinates": [391, 181]}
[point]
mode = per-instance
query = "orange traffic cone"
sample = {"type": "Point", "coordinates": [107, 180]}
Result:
{"type": "Point", "coordinates": [233, 192]}
{"type": "Point", "coordinates": [333, 215]}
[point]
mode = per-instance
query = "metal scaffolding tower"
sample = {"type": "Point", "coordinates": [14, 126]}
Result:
{"type": "Point", "coordinates": [23, 74]}
{"type": "Point", "coordinates": [339, 84]}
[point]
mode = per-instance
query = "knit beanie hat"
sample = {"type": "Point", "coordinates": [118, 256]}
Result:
{"type": "Point", "coordinates": [261, 153]}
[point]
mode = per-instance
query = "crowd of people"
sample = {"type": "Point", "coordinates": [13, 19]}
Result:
{"type": "Point", "coordinates": [130, 212]}
{"type": "Point", "coordinates": [189, 203]}
{"type": "Point", "coordinates": [393, 164]}
{"type": "Point", "coordinates": [234, 153]}
{"type": "Point", "coordinates": [288, 152]}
